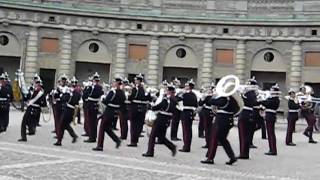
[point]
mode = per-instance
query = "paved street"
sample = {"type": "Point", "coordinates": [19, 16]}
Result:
{"type": "Point", "coordinates": [38, 159]}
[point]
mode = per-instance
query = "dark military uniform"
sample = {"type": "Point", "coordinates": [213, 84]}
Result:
{"type": "Point", "coordinates": [190, 104]}
{"type": "Point", "coordinates": [271, 104]}
{"type": "Point", "coordinates": [246, 123]}
{"type": "Point", "coordinates": [10, 99]}
{"type": "Point", "coordinates": [293, 116]}
{"type": "Point", "coordinates": [307, 113]}
{"type": "Point", "coordinates": [206, 117]}
{"type": "Point", "coordinates": [227, 106]}
{"type": "Point", "coordinates": [175, 124]}
{"type": "Point", "coordinates": [93, 108]}
{"type": "Point", "coordinates": [32, 113]}
{"type": "Point", "coordinates": [114, 101]}
{"type": "Point", "coordinates": [56, 107]}
{"type": "Point", "coordinates": [260, 123]}
{"type": "Point", "coordinates": [124, 118]}
{"type": "Point", "coordinates": [86, 92]}
{"type": "Point", "coordinates": [165, 112]}
{"type": "Point", "coordinates": [70, 101]}
{"type": "Point", "coordinates": [139, 101]}
{"type": "Point", "coordinates": [4, 106]}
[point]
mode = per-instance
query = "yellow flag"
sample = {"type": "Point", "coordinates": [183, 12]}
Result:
{"type": "Point", "coordinates": [16, 91]}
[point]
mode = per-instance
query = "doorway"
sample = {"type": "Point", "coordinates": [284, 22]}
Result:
{"type": "Point", "coordinates": [48, 79]}
{"type": "Point", "coordinates": [183, 74]}
{"type": "Point", "coordinates": [315, 87]}
{"type": "Point", "coordinates": [86, 69]}
{"type": "Point", "coordinates": [267, 79]}
{"type": "Point", "coordinates": [10, 65]}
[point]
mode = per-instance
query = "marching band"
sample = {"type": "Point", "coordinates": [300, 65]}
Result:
{"type": "Point", "coordinates": [218, 106]}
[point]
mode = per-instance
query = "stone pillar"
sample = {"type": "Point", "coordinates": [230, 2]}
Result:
{"type": "Point", "coordinates": [295, 66]}
{"type": "Point", "coordinates": [65, 54]}
{"type": "Point", "coordinates": [153, 63]}
{"type": "Point", "coordinates": [240, 64]}
{"type": "Point", "coordinates": [207, 64]}
{"type": "Point", "coordinates": [31, 56]}
{"type": "Point", "coordinates": [119, 67]}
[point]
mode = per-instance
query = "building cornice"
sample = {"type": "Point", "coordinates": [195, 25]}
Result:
{"type": "Point", "coordinates": [266, 21]}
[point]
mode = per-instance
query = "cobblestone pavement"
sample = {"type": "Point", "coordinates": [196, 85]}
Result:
{"type": "Point", "coordinates": [38, 159]}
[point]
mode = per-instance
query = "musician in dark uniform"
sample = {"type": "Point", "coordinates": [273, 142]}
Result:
{"type": "Point", "coordinates": [227, 107]}
{"type": "Point", "coordinates": [206, 114]}
{"type": "Point", "coordinates": [259, 122]}
{"type": "Point", "coordinates": [7, 84]}
{"type": "Point", "coordinates": [190, 104]}
{"type": "Point", "coordinates": [35, 78]}
{"type": "Point", "coordinates": [246, 121]}
{"type": "Point", "coordinates": [114, 101]}
{"type": "Point", "coordinates": [85, 95]}
{"type": "Point", "coordinates": [272, 104]}
{"type": "Point", "coordinates": [70, 103]}
{"type": "Point", "coordinates": [32, 125]}
{"type": "Point", "coordinates": [307, 113]}
{"type": "Point", "coordinates": [165, 111]}
{"type": "Point", "coordinates": [125, 110]}
{"type": "Point", "coordinates": [158, 96]}
{"type": "Point", "coordinates": [56, 101]}
{"type": "Point", "coordinates": [293, 116]}
{"type": "Point", "coordinates": [33, 110]}
{"type": "Point", "coordinates": [93, 107]}
{"type": "Point", "coordinates": [4, 104]}
{"type": "Point", "coordinates": [176, 114]}
{"type": "Point", "coordinates": [139, 100]}
{"type": "Point", "coordinates": [200, 123]}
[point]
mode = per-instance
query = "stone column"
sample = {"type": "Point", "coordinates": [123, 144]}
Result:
{"type": "Point", "coordinates": [119, 67]}
{"type": "Point", "coordinates": [295, 66]}
{"type": "Point", "coordinates": [31, 56]}
{"type": "Point", "coordinates": [153, 63]}
{"type": "Point", "coordinates": [207, 63]}
{"type": "Point", "coordinates": [240, 64]}
{"type": "Point", "coordinates": [65, 54]}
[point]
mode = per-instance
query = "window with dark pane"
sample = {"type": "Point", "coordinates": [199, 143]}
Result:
{"type": "Point", "coordinates": [268, 57]}
{"type": "Point", "coordinates": [93, 47]}
{"type": "Point", "coordinates": [225, 30]}
{"type": "Point", "coordinates": [181, 53]}
{"type": "Point", "coordinates": [4, 40]}
{"type": "Point", "coordinates": [139, 26]}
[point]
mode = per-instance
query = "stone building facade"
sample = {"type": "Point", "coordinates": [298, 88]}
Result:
{"type": "Point", "coordinates": [277, 41]}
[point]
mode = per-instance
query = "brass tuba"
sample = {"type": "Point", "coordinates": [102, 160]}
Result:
{"type": "Point", "coordinates": [230, 86]}
{"type": "Point", "coordinates": [305, 97]}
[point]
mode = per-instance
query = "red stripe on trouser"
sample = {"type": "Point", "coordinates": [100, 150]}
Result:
{"type": "Point", "coordinates": [123, 124]}
{"type": "Point", "coordinates": [292, 118]}
{"type": "Point", "coordinates": [213, 143]}
{"type": "Point", "coordinates": [207, 128]}
{"type": "Point", "coordinates": [184, 132]}
{"type": "Point", "coordinates": [271, 136]}
{"type": "Point", "coordinates": [103, 124]}
{"type": "Point", "coordinates": [86, 122]}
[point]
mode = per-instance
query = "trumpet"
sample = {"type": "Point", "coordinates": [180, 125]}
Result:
{"type": "Point", "coordinates": [263, 95]}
